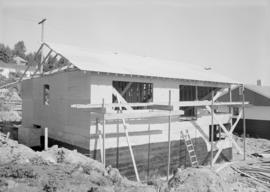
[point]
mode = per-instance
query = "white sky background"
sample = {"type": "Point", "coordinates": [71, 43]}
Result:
{"type": "Point", "coordinates": [231, 36]}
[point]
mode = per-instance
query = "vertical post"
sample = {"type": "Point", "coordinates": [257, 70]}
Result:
{"type": "Point", "coordinates": [42, 22]}
{"type": "Point", "coordinates": [169, 138]}
{"type": "Point", "coordinates": [117, 143]}
{"type": "Point", "coordinates": [103, 134]}
{"type": "Point", "coordinates": [8, 134]}
{"type": "Point", "coordinates": [196, 99]}
{"type": "Point", "coordinates": [131, 151]}
{"type": "Point", "coordinates": [212, 126]}
{"type": "Point", "coordinates": [90, 140]}
{"type": "Point", "coordinates": [46, 138]}
{"type": "Point", "coordinates": [148, 155]}
{"type": "Point", "coordinates": [230, 107]}
{"type": "Point", "coordinates": [244, 121]}
{"type": "Point", "coordinates": [96, 141]}
{"type": "Point", "coordinates": [230, 100]}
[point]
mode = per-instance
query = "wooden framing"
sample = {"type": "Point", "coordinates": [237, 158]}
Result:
{"type": "Point", "coordinates": [105, 112]}
{"type": "Point", "coordinates": [169, 137]}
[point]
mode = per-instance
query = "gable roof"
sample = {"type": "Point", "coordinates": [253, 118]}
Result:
{"type": "Point", "coordinates": [261, 90]}
{"type": "Point", "coordinates": [118, 63]}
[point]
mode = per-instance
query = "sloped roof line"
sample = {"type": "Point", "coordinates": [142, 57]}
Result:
{"type": "Point", "coordinates": [118, 63]}
{"type": "Point", "coordinates": [261, 90]}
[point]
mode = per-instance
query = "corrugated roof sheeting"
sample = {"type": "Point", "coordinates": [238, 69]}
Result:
{"type": "Point", "coordinates": [119, 63]}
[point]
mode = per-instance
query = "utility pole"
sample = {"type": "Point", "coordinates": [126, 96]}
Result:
{"type": "Point", "coordinates": [42, 22]}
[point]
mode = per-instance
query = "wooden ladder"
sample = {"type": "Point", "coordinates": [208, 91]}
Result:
{"type": "Point", "coordinates": [190, 149]}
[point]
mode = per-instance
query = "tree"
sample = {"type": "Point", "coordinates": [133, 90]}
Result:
{"type": "Point", "coordinates": [5, 53]}
{"type": "Point", "coordinates": [19, 49]}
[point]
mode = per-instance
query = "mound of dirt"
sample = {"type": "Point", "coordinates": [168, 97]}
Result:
{"type": "Point", "coordinates": [58, 169]}
{"type": "Point", "coordinates": [197, 180]}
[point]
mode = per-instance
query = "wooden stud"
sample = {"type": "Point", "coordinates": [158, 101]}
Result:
{"type": "Point", "coordinates": [131, 151]}
{"type": "Point", "coordinates": [7, 136]}
{"type": "Point", "coordinates": [90, 140]}
{"type": "Point", "coordinates": [96, 140]}
{"type": "Point", "coordinates": [244, 121]}
{"type": "Point", "coordinates": [117, 144]}
{"type": "Point", "coordinates": [103, 136]}
{"type": "Point", "coordinates": [169, 138]}
{"type": "Point", "coordinates": [212, 127]}
{"type": "Point", "coordinates": [148, 155]}
{"type": "Point", "coordinates": [46, 138]}
{"type": "Point", "coordinates": [230, 107]}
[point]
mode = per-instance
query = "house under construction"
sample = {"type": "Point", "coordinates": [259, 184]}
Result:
{"type": "Point", "coordinates": [139, 114]}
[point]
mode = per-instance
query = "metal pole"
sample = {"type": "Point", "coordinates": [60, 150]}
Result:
{"type": "Point", "coordinates": [103, 134]}
{"type": "Point", "coordinates": [244, 120]}
{"type": "Point", "coordinates": [169, 139]}
{"type": "Point", "coordinates": [212, 127]}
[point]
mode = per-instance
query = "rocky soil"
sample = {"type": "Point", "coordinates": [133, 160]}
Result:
{"type": "Point", "coordinates": [60, 169]}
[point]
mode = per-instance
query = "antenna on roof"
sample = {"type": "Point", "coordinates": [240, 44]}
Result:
{"type": "Point", "coordinates": [42, 22]}
{"type": "Point", "coordinates": [207, 68]}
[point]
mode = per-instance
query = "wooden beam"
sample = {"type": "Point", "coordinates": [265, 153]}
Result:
{"type": "Point", "coordinates": [92, 109]}
{"type": "Point", "coordinates": [120, 99]}
{"type": "Point", "coordinates": [230, 132]}
{"type": "Point", "coordinates": [204, 135]}
{"type": "Point", "coordinates": [130, 150]}
{"type": "Point", "coordinates": [126, 88]}
{"type": "Point", "coordinates": [142, 115]}
{"type": "Point", "coordinates": [174, 104]}
{"type": "Point", "coordinates": [226, 131]}
{"type": "Point", "coordinates": [212, 127]}
{"type": "Point", "coordinates": [169, 138]}
{"type": "Point", "coordinates": [161, 107]}
{"type": "Point", "coordinates": [122, 134]}
{"type": "Point", "coordinates": [103, 137]}
{"type": "Point", "coordinates": [244, 121]}
{"type": "Point", "coordinates": [46, 139]}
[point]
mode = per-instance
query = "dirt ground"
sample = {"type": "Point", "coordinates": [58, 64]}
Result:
{"type": "Point", "coordinates": [60, 169]}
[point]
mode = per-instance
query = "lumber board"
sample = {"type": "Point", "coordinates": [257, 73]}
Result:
{"type": "Point", "coordinates": [122, 134]}
{"type": "Point", "coordinates": [134, 115]}
{"type": "Point", "coordinates": [160, 105]}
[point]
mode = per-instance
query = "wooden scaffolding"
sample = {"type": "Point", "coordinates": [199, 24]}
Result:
{"type": "Point", "coordinates": [107, 112]}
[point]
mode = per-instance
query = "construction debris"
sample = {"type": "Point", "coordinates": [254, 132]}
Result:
{"type": "Point", "coordinates": [258, 171]}
{"type": "Point", "coordinates": [193, 180]}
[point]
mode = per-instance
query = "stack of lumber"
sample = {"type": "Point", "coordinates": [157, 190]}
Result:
{"type": "Point", "coordinates": [259, 171]}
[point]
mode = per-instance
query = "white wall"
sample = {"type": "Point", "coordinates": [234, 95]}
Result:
{"type": "Point", "coordinates": [73, 125]}
{"type": "Point", "coordinates": [258, 113]}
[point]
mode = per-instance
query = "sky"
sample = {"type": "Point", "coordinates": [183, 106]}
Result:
{"type": "Point", "coordinates": [230, 36]}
